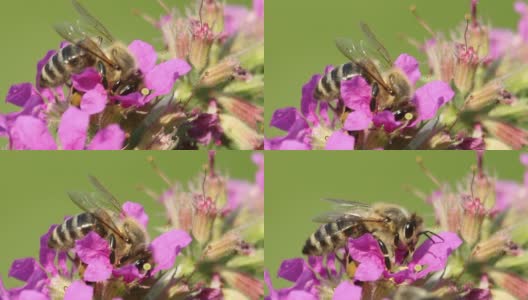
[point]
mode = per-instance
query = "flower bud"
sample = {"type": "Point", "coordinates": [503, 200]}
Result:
{"type": "Point", "coordinates": [222, 247]}
{"type": "Point", "coordinates": [213, 14]}
{"type": "Point", "coordinates": [512, 283]}
{"type": "Point", "coordinates": [512, 136]}
{"type": "Point", "coordinates": [484, 95]}
{"type": "Point", "coordinates": [222, 71]}
{"type": "Point", "coordinates": [246, 111]}
{"type": "Point", "coordinates": [474, 213]}
{"type": "Point", "coordinates": [243, 136]}
{"type": "Point", "coordinates": [495, 245]}
{"type": "Point", "coordinates": [245, 283]}
{"type": "Point", "coordinates": [465, 68]}
{"type": "Point", "coordinates": [201, 42]}
{"type": "Point", "coordinates": [203, 218]}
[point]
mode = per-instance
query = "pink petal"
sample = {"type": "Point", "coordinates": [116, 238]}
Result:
{"type": "Point", "coordinates": [284, 118]}
{"type": "Point", "coordinates": [129, 273]}
{"type": "Point", "coordinates": [86, 80]}
{"type": "Point", "coordinates": [524, 159]}
{"type": "Point", "coordinates": [387, 120]}
{"type": "Point", "coordinates": [98, 270]}
{"type": "Point", "coordinates": [32, 295]}
{"type": "Point", "coordinates": [258, 8]}
{"type": "Point", "coordinates": [72, 129]}
{"type": "Point", "coordinates": [29, 133]}
{"type": "Point", "coordinates": [356, 93]}
{"type": "Point", "coordinates": [167, 246]}
{"type": "Point", "coordinates": [145, 54]}
{"type": "Point", "coordinates": [162, 77]}
{"type": "Point", "coordinates": [366, 252]}
{"type": "Point", "coordinates": [92, 248]}
{"type": "Point", "coordinates": [47, 255]}
{"type": "Point", "coordinates": [94, 101]}
{"type": "Point", "coordinates": [357, 120]}
{"type": "Point", "coordinates": [340, 140]}
{"type": "Point", "coordinates": [19, 94]}
{"type": "Point", "coordinates": [410, 66]}
{"type": "Point", "coordinates": [110, 138]}
{"type": "Point", "coordinates": [78, 290]}
{"type": "Point", "coordinates": [23, 268]}
{"type": "Point", "coordinates": [300, 295]}
{"type": "Point", "coordinates": [347, 291]}
{"type": "Point", "coordinates": [136, 211]}
{"type": "Point", "coordinates": [430, 97]}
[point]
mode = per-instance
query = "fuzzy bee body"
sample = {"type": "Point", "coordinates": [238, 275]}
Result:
{"type": "Point", "coordinates": [69, 60]}
{"type": "Point", "coordinates": [64, 236]}
{"type": "Point", "coordinates": [328, 86]}
{"type": "Point", "coordinates": [103, 215]}
{"type": "Point", "coordinates": [332, 236]}
{"type": "Point", "coordinates": [111, 58]}
{"type": "Point", "coordinates": [391, 225]}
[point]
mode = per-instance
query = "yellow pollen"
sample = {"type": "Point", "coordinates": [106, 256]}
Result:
{"type": "Point", "coordinates": [147, 267]}
{"type": "Point", "coordinates": [418, 268]}
{"type": "Point", "coordinates": [145, 92]}
{"type": "Point", "coordinates": [408, 116]}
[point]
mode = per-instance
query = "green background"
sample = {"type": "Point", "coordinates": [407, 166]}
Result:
{"type": "Point", "coordinates": [27, 32]}
{"type": "Point", "coordinates": [300, 35]}
{"type": "Point", "coordinates": [297, 180]}
{"type": "Point", "coordinates": [34, 186]}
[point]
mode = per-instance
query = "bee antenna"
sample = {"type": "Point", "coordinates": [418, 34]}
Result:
{"type": "Point", "coordinates": [429, 233]}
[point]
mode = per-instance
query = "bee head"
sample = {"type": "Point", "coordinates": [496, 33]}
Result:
{"type": "Point", "coordinates": [400, 86]}
{"type": "Point", "coordinates": [130, 77]}
{"type": "Point", "coordinates": [410, 232]}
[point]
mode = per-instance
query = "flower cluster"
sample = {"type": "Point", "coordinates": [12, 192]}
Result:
{"type": "Point", "coordinates": [204, 89]}
{"type": "Point", "coordinates": [479, 252]}
{"type": "Point", "coordinates": [472, 97]}
{"type": "Point", "coordinates": [212, 248]}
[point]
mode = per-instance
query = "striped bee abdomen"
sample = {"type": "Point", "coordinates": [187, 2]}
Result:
{"type": "Point", "coordinates": [64, 235]}
{"type": "Point", "coordinates": [332, 236]}
{"type": "Point", "coordinates": [68, 60]}
{"type": "Point", "coordinates": [328, 86]}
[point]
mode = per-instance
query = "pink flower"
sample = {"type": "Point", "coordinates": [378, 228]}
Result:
{"type": "Point", "coordinates": [78, 290]}
{"type": "Point", "coordinates": [167, 246]}
{"type": "Point", "coordinates": [347, 291]}
{"type": "Point", "coordinates": [159, 79]}
{"type": "Point", "coordinates": [94, 251]}
{"type": "Point", "coordinates": [31, 133]}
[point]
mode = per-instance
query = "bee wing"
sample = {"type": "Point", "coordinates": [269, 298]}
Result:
{"type": "Point", "coordinates": [380, 50]}
{"type": "Point", "coordinates": [108, 200]}
{"type": "Point", "coordinates": [77, 35]}
{"type": "Point", "coordinates": [91, 23]}
{"type": "Point", "coordinates": [359, 56]}
{"type": "Point", "coordinates": [343, 209]}
{"type": "Point", "coordinates": [90, 202]}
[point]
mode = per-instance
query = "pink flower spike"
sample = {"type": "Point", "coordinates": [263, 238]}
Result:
{"type": "Point", "coordinates": [29, 133]}
{"type": "Point", "coordinates": [72, 129]}
{"type": "Point", "coordinates": [145, 54]}
{"type": "Point", "coordinates": [167, 246]}
{"type": "Point", "coordinates": [86, 80]}
{"type": "Point", "coordinates": [110, 138]}
{"type": "Point", "coordinates": [136, 211]}
{"type": "Point", "coordinates": [409, 65]}
{"type": "Point", "coordinates": [94, 101]}
{"type": "Point", "coordinates": [340, 140]}
{"type": "Point", "coordinates": [78, 290]}
{"type": "Point", "coordinates": [356, 93]}
{"type": "Point", "coordinates": [347, 291]}
{"type": "Point", "coordinates": [430, 97]}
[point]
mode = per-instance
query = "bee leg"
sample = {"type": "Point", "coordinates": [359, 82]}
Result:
{"type": "Point", "coordinates": [102, 71]}
{"type": "Point", "coordinates": [385, 252]}
{"type": "Point", "coordinates": [112, 246]}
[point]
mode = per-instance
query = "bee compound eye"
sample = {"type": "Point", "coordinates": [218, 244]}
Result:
{"type": "Point", "coordinates": [409, 230]}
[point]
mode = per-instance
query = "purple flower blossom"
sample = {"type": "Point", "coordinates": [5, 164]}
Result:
{"type": "Point", "coordinates": [136, 211]}
{"type": "Point", "coordinates": [30, 133]}
{"type": "Point", "coordinates": [347, 291]}
{"type": "Point", "coordinates": [158, 79]}
{"type": "Point", "coordinates": [167, 246]}
{"type": "Point", "coordinates": [430, 97]}
{"type": "Point", "coordinates": [78, 290]}
{"type": "Point", "coordinates": [94, 251]}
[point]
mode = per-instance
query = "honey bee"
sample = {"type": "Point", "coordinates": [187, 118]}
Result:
{"type": "Point", "coordinates": [391, 225]}
{"type": "Point", "coordinates": [102, 214]}
{"type": "Point", "coordinates": [91, 45]}
{"type": "Point", "coordinates": [390, 91]}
